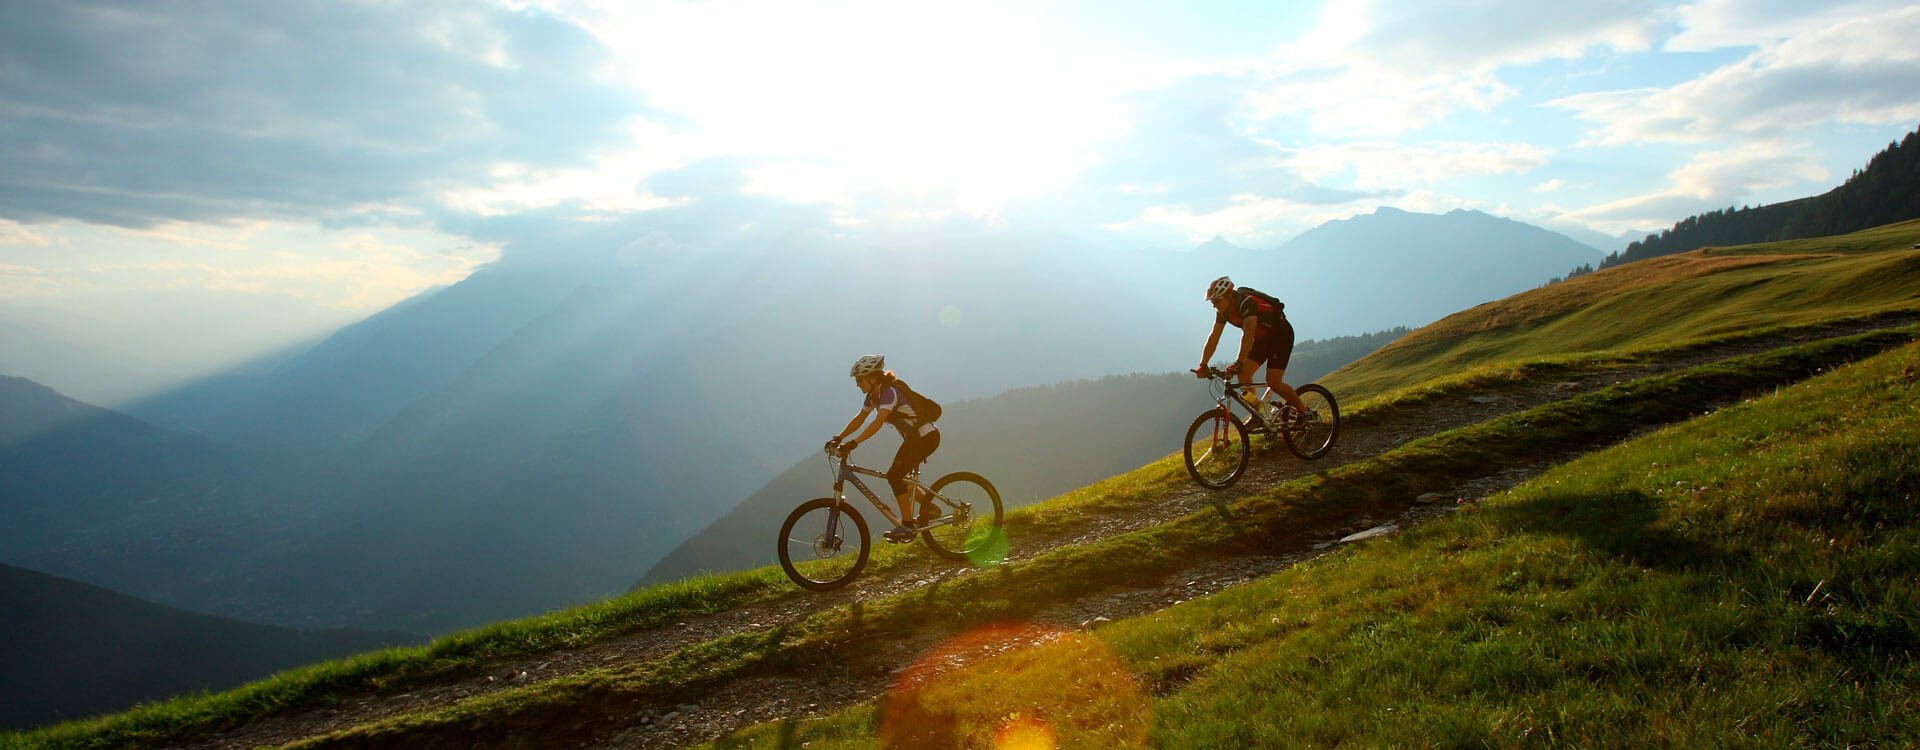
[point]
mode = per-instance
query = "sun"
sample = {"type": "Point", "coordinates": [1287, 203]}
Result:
{"type": "Point", "coordinates": [965, 105]}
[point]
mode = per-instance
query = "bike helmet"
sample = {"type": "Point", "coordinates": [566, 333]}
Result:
{"type": "Point", "coordinates": [868, 365]}
{"type": "Point", "coordinates": [1219, 286]}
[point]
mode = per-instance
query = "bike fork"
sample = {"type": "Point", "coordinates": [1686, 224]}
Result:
{"type": "Point", "coordinates": [833, 513]}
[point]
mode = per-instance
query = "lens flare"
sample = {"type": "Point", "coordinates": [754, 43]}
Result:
{"type": "Point", "coordinates": [992, 551]}
{"type": "Point", "coordinates": [1024, 733]}
{"type": "Point", "coordinates": [1016, 687]}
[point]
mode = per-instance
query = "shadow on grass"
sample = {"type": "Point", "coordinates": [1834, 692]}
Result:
{"type": "Point", "coordinates": [1624, 525]}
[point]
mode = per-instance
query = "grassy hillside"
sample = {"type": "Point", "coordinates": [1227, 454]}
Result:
{"type": "Point", "coordinates": [1745, 574]}
{"type": "Point", "coordinates": [1032, 443]}
{"type": "Point", "coordinates": [1744, 579]}
{"type": "Point", "coordinates": [1666, 301]}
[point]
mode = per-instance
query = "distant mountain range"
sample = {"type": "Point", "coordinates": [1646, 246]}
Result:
{"type": "Point", "coordinates": [1393, 267]}
{"type": "Point", "coordinates": [547, 430]}
{"type": "Point", "coordinates": [73, 650]}
{"type": "Point", "coordinates": [46, 351]}
{"type": "Point", "coordinates": [75, 475]}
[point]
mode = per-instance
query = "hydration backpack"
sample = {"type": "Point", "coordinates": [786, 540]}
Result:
{"type": "Point", "coordinates": [1272, 301]}
{"type": "Point", "coordinates": [924, 409]}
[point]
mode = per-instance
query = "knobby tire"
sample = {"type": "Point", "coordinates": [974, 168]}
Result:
{"type": "Point", "coordinates": [815, 561]}
{"type": "Point", "coordinates": [1216, 450]}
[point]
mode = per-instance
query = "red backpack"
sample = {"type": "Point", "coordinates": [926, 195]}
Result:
{"type": "Point", "coordinates": [1272, 301]}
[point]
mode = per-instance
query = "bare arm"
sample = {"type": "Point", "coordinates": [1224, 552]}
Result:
{"type": "Point", "coordinates": [873, 426]}
{"type": "Point", "coordinates": [1212, 341]}
{"type": "Point", "coordinates": [857, 419]}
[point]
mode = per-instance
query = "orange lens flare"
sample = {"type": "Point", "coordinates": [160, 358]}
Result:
{"type": "Point", "coordinates": [1024, 733]}
{"type": "Point", "coordinates": [1016, 686]}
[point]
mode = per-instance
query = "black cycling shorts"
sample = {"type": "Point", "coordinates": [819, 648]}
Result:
{"type": "Point", "coordinates": [1274, 345]}
{"type": "Point", "coordinates": [914, 450]}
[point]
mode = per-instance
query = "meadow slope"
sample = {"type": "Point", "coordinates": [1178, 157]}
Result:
{"type": "Point", "coordinates": [1477, 403]}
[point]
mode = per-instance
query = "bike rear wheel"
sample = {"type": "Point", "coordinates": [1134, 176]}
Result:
{"type": "Point", "coordinates": [823, 544]}
{"type": "Point", "coordinates": [1313, 438]}
{"type": "Point", "coordinates": [969, 526]}
{"type": "Point", "coordinates": [1216, 449]}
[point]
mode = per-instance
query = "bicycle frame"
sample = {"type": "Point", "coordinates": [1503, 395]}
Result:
{"type": "Point", "coordinates": [849, 472]}
{"type": "Point", "coordinates": [1234, 392]}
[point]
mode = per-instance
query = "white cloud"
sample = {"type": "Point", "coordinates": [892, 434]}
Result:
{"type": "Point", "coordinates": [1718, 24]}
{"type": "Point", "coordinates": [1382, 69]}
{"type": "Point", "coordinates": [1865, 70]}
{"type": "Point", "coordinates": [1250, 219]}
{"type": "Point", "coordinates": [1550, 185]}
{"type": "Point", "coordinates": [15, 233]}
{"type": "Point", "coordinates": [358, 271]}
{"type": "Point", "coordinates": [1713, 180]}
{"type": "Point", "coordinates": [1384, 165]}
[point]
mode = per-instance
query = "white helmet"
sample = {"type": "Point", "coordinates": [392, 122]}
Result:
{"type": "Point", "coordinates": [868, 365]}
{"type": "Point", "coordinates": [1219, 286]}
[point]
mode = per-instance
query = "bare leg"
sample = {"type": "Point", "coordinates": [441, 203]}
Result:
{"type": "Point", "coordinates": [905, 499]}
{"type": "Point", "coordinates": [1286, 392]}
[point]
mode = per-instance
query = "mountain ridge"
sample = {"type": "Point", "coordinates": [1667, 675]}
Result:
{"type": "Point", "coordinates": [611, 407]}
{"type": "Point", "coordinates": [73, 649]}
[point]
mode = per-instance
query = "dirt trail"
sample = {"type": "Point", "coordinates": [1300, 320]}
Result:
{"type": "Point", "coordinates": [765, 698]}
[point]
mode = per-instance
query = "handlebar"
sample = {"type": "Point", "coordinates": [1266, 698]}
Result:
{"type": "Point", "coordinates": [1213, 372]}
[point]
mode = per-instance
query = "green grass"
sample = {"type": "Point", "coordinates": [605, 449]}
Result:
{"type": "Point", "coordinates": [1011, 591]}
{"type": "Point", "coordinates": [1652, 311]}
{"type": "Point", "coordinates": [1745, 579]}
{"type": "Point", "coordinates": [463, 653]}
{"type": "Point", "coordinates": [1019, 590]}
{"type": "Point", "coordinates": [1658, 303]}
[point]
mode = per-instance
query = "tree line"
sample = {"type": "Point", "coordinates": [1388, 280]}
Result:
{"type": "Point", "coordinates": [1886, 191]}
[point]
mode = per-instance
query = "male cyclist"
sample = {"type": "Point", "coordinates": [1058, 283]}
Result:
{"type": "Point", "coordinates": [1265, 338]}
{"type": "Point", "coordinates": [918, 437]}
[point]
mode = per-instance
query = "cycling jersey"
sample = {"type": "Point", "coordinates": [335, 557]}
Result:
{"type": "Point", "coordinates": [1250, 305]}
{"type": "Point", "coordinates": [902, 417]}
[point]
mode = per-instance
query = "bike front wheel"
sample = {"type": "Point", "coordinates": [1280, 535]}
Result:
{"type": "Point", "coordinates": [1313, 436]}
{"type": "Point", "coordinates": [823, 544]}
{"type": "Point", "coordinates": [1216, 449]}
{"type": "Point", "coordinates": [969, 526]}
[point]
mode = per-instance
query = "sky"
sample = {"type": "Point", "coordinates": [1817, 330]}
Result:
{"type": "Point", "coordinates": [199, 182]}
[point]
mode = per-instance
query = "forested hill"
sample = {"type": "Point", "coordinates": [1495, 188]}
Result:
{"type": "Point", "coordinates": [1887, 191]}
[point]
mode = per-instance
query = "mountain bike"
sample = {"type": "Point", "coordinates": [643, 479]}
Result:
{"type": "Point", "coordinates": [1217, 443]}
{"type": "Point", "coordinates": [824, 542]}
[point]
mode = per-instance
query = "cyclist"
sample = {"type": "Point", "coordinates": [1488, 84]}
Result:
{"type": "Point", "coordinates": [1265, 338]}
{"type": "Point", "coordinates": [918, 437]}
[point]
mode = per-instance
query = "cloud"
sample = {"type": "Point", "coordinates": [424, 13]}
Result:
{"type": "Point", "coordinates": [134, 113]}
{"type": "Point", "coordinates": [357, 271]}
{"type": "Point", "coordinates": [1387, 166]}
{"type": "Point", "coordinates": [1247, 219]}
{"type": "Point", "coordinates": [1713, 180]}
{"type": "Point", "coordinates": [1383, 69]}
{"type": "Point", "coordinates": [15, 233]}
{"type": "Point", "coordinates": [1864, 70]}
{"type": "Point", "coordinates": [1717, 24]}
